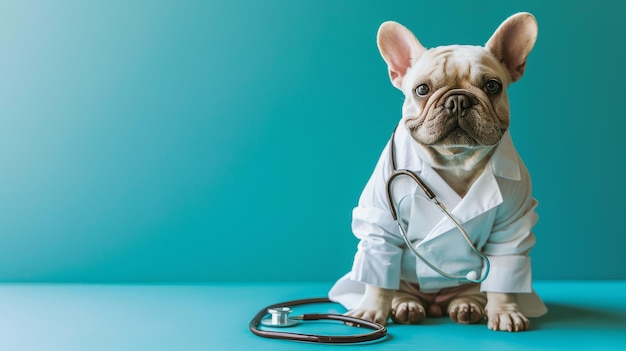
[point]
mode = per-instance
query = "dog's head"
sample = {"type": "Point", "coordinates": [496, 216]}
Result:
{"type": "Point", "coordinates": [456, 106]}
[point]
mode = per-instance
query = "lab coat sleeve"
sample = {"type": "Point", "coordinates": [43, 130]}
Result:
{"type": "Point", "coordinates": [379, 255]}
{"type": "Point", "coordinates": [512, 239]}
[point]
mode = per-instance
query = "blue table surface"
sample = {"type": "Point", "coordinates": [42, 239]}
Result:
{"type": "Point", "coordinates": [584, 315]}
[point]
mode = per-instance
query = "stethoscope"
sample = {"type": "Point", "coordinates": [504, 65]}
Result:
{"type": "Point", "coordinates": [471, 276]}
{"type": "Point", "coordinates": [279, 313]}
{"type": "Point", "coordinates": [279, 318]}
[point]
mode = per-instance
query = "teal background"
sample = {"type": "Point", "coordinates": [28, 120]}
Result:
{"type": "Point", "coordinates": [193, 141]}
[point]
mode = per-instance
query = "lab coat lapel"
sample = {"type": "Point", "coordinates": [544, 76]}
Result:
{"type": "Point", "coordinates": [483, 196]}
{"type": "Point", "coordinates": [424, 216]}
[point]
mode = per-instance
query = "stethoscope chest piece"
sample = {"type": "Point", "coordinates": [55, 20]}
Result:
{"type": "Point", "coordinates": [279, 318]}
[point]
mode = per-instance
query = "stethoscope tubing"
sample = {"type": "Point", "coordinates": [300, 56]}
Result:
{"type": "Point", "coordinates": [433, 198]}
{"type": "Point", "coordinates": [379, 330]}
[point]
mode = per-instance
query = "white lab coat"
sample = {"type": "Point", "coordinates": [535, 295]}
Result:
{"type": "Point", "coordinates": [498, 212]}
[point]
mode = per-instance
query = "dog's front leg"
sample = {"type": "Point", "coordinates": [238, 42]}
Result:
{"type": "Point", "coordinates": [503, 313]}
{"type": "Point", "coordinates": [375, 305]}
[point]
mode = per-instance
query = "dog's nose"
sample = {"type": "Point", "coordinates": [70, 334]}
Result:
{"type": "Point", "coordinates": [457, 104]}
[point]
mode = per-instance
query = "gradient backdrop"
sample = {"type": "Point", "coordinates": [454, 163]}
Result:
{"type": "Point", "coordinates": [194, 141]}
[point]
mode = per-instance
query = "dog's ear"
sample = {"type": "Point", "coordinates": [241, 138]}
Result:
{"type": "Point", "coordinates": [512, 42]}
{"type": "Point", "coordinates": [399, 48]}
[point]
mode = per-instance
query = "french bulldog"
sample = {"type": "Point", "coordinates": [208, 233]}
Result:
{"type": "Point", "coordinates": [456, 109]}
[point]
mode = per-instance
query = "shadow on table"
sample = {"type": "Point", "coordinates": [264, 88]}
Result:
{"type": "Point", "coordinates": [581, 317]}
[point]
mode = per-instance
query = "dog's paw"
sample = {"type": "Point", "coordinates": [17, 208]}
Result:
{"type": "Point", "coordinates": [407, 309]}
{"type": "Point", "coordinates": [504, 314]}
{"type": "Point", "coordinates": [373, 315]}
{"type": "Point", "coordinates": [465, 310]}
{"type": "Point", "coordinates": [374, 306]}
{"type": "Point", "coordinates": [512, 321]}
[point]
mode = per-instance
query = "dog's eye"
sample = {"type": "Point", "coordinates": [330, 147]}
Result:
{"type": "Point", "coordinates": [492, 86]}
{"type": "Point", "coordinates": [422, 90]}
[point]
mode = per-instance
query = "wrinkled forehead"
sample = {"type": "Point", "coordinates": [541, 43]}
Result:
{"type": "Point", "coordinates": [454, 64]}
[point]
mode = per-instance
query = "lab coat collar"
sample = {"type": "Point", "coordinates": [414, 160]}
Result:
{"type": "Point", "coordinates": [483, 195]}
{"type": "Point", "coordinates": [504, 162]}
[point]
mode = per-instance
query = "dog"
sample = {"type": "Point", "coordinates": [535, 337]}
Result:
{"type": "Point", "coordinates": [455, 120]}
